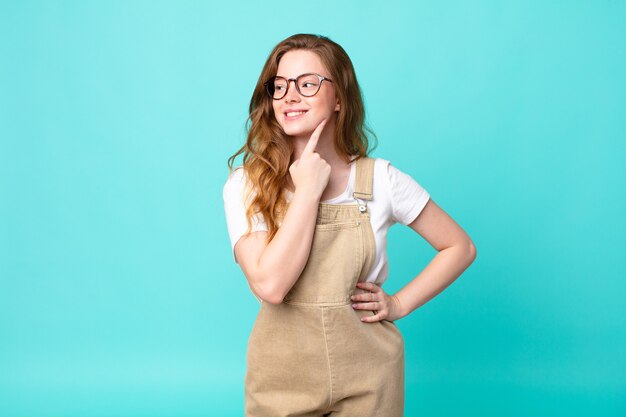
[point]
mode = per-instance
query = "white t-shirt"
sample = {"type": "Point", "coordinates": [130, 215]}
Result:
{"type": "Point", "coordinates": [397, 198]}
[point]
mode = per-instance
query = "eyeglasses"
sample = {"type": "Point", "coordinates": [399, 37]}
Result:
{"type": "Point", "coordinates": [307, 85]}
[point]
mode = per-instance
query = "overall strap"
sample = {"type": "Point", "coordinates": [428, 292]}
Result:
{"type": "Point", "coordinates": [364, 181]}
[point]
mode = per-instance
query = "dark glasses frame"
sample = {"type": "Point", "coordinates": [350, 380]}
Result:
{"type": "Point", "coordinates": [269, 84]}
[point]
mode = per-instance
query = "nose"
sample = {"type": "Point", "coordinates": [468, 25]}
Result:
{"type": "Point", "coordinates": [292, 92]}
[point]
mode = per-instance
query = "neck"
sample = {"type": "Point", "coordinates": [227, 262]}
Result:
{"type": "Point", "coordinates": [325, 147]}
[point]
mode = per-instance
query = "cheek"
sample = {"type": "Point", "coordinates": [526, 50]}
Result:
{"type": "Point", "coordinates": [327, 109]}
{"type": "Point", "coordinates": [276, 114]}
{"type": "Point", "coordinates": [329, 103]}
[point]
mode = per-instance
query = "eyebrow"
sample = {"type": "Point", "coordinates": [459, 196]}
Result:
{"type": "Point", "coordinates": [308, 72]}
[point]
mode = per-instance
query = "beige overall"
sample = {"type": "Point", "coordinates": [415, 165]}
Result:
{"type": "Point", "coordinates": [311, 355]}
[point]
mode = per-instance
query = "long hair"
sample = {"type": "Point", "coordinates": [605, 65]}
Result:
{"type": "Point", "coordinates": [268, 150]}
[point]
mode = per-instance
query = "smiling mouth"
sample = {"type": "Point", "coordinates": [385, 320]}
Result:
{"type": "Point", "coordinates": [294, 114]}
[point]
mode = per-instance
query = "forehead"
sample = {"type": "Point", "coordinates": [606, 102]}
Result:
{"type": "Point", "coordinates": [297, 62]}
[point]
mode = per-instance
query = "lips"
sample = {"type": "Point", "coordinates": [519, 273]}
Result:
{"type": "Point", "coordinates": [294, 114]}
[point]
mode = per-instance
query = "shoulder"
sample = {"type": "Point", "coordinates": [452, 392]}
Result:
{"type": "Point", "coordinates": [236, 175]}
{"type": "Point", "coordinates": [398, 181]}
{"type": "Point", "coordinates": [380, 162]}
{"type": "Point", "coordinates": [382, 167]}
{"type": "Point", "coordinates": [235, 182]}
{"type": "Point", "coordinates": [236, 178]}
{"type": "Point", "coordinates": [389, 170]}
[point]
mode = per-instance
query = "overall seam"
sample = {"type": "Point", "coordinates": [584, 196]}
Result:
{"type": "Point", "coordinates": [318, 304]}
{"type": "Point", "coordinates": [330, 371]}
{"type": "Point", "coordinates": [358, 260]}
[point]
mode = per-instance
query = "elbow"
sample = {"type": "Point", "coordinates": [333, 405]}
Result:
{"type": "Point", "coordinates": [272, 297]}
{"type": "Point", "coordinates": [471, 251]}
{"type": "Point", "coordinates": [268, 292]}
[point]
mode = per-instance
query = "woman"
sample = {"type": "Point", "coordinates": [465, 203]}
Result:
{"type": "Point", "coordinates": [308, 213]}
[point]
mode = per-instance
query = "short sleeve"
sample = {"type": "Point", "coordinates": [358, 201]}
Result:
{"type": "Point", "coordinates": [408, 197]}
{"type": "Point", "coordinates": [235, 209]}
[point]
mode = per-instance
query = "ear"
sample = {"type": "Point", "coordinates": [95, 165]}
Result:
{"type": "Point", "coordinates": [337, 106]}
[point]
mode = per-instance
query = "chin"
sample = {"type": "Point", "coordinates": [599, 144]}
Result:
{"type": "Point", "coordinates": [298, 130]}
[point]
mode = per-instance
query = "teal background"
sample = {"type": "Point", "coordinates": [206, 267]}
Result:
{"type": "Point", "coordinates": [119, 295]}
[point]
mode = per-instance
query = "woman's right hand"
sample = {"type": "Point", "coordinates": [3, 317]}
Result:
{"type": "Point", "coordinates": [310, 173]}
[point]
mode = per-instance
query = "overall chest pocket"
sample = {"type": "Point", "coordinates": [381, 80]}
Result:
{"type": "Point", "coordinates": [334, 263]}
{"type": "Point", "coordinates": [343, 224]}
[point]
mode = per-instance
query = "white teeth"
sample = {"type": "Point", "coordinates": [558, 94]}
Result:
{"type": "Point", "coordinates": [295, 113]}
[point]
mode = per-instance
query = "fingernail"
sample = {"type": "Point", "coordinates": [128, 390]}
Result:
{"type": "Point", "coordinates": [353, 305]}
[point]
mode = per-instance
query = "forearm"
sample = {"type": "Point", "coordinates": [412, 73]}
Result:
{"type": "Point", "coordinates": [444, 269]}
{"type": "Point", "coordinates": [285, 257]}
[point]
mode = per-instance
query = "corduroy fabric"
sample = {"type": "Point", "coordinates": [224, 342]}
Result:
{"type": "Point", "coordinates": [311, 355]}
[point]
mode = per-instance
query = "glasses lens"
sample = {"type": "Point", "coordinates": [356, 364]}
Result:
{"type": "Point", "coordinates": [308, 84]}
{"type": "Point", "coordinates": [278, 87]}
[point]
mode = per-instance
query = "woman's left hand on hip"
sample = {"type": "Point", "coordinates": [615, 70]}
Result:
{"type": "Point", "coordinates": [386, 307]}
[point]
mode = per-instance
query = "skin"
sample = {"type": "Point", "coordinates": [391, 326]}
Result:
{"type": "Point", "coordinates": [318, 173]}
